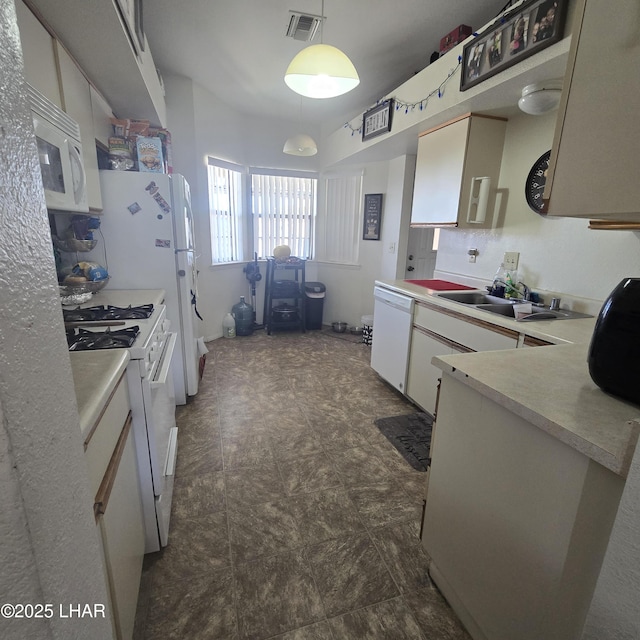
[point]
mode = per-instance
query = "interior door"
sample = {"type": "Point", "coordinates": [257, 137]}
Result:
{"type": "Point", "coordinates": [421, 257]}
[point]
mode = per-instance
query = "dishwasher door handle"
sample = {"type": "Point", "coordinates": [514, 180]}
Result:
{"type": "Point", "coordinates": [395, 300]}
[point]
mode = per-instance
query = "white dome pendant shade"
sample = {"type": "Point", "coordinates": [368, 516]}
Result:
{"type": "Point", "coordinates": [321, 71]}
{"type": "Point", "coordinates": [301, 145]}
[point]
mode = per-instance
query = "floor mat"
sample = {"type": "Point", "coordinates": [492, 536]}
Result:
{"type": "Point", "coordinates": [411, 435]}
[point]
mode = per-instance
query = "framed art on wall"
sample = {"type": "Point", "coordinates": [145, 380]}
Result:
{"type": "Point", "coordinates": [377, 121]}
{"type": "Point", "coordinates": [533, 26]}
{"type": "Point", "coordinates": [372, 216]}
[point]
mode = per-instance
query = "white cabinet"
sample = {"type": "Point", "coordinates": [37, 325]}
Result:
{"type": "Point", "coordinates": [539, 511]}
{"type": "Point", "coordinates": [594, 163]}
{"type": "Point", "coordinates": [423, 377]}
{"type": "Point", "coordinates": [113, 478]}
{"type": "Point", "coordinates": [438, 331]}
{"type": "Point", "coordinates": [102, 114]}
{"type": "Point", "coordinates": [40, 69]}
{"type": "Point", "coordinates": [76, 101]}
{"type": "Point", "coordinates": [452, 159]}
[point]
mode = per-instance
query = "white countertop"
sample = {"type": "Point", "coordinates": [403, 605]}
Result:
{"type": "Point", "coordinates": [125, 297]}
{"type": "Point", "coordinates": [548, 386]}
{"type": "Point", "coordinates": [95, 376]}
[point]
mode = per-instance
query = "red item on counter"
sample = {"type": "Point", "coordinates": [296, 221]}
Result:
{"type": "Point", "coordinates": [440, 285]}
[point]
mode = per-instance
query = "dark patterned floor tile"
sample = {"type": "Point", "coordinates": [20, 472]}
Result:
{"type": "Point", "coordinates": [390, 620]}
{"type": "Point", "coordinates": [198, 458]}
{"type": "Point", "coordinates": [259, 484]}
{"type": "Point", "coordinates": [434, 615]}
{"type": "Point", "coordinates": [305, 474]}
{"type": "Point", "coordinates": [196, 546]}
{"type": "Point", "coordinates": [246, 449]}
{"type": "Point", "coordinates": [317, 631]}
{"type": "Point", "coordinates": [200, 608]}
{"type": "Point", "coordinates": [350, 574]}
{"type": "Point", "coordinates": [399, 544]}
{"type": "Point", "coordinates": [384, 502]}
{"type": "Point", "coordinates": [262, 529]}
{"type": "Point", "coordinates": [275, 595]}
{"type": "Point", "coordinates": [360, 466]}
{"type": "Point", "coordinates": [198, 495]}
{"type": "Point", "coordinates": [325, 515]}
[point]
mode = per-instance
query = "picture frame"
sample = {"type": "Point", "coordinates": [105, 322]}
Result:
{"type": "Point", "coordinates": [529, 28]}
{"type": "Point", "coordinates": [377, 121]}
{"type": "Point", "coordinates": [372, 216]}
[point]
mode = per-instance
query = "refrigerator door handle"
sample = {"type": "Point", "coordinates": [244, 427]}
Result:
{"type": "Point", "coordinates": [184, 250]}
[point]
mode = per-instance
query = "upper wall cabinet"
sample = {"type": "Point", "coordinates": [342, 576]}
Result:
{"type": "Point", "coordinates": [76, 98]}
{"type": "Point", "coordinates": [457, 171]}
{"type": "Point", "coordinates": [116, 60]}
{"type": "Point", "coordinates": [594, 166]}
{"type": "Point", "coordinates": [38, 54]}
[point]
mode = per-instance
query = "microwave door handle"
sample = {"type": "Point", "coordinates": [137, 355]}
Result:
{"type": "Point", "coordinates": [77, 169]}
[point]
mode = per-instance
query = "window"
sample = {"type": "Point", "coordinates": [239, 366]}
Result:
{"type": "Point", "coordinates": [282, 206]}
{"type": "Point", "coordinates": [225, 211]}
{"type": "Point", "coordinates": [340, 226]}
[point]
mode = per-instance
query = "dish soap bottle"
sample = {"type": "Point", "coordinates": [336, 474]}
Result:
{"type": "Point", "coordinates": [229, 326]}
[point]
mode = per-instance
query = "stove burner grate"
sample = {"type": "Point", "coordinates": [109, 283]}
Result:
{"type": "Point", "coordinates": [85, 340]}
{"type": "Point", "coordinates": [91, 314]}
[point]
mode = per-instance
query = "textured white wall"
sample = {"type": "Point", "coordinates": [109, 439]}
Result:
{"type": "Point", "coordinates": [49, 549]}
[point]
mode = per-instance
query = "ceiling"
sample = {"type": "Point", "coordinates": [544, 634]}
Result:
{"type": "Point", "coordinates": [238, 50]}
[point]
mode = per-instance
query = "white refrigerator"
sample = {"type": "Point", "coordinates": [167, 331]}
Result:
{"type": "Point", "coordinates": [146, 238]}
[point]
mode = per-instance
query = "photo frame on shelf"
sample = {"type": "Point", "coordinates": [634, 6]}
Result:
{"type": "Point", "coordinates": [531, 27]}
{"type": "Point", "coordinates": [377, 121]}
{"type": "Point", "coordinates": [372, 216]}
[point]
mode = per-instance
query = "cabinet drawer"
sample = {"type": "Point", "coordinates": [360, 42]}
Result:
{"type": "Point", "coordinates": [103, 437]}
{"type": "Point", "coordinates": [474, 334]}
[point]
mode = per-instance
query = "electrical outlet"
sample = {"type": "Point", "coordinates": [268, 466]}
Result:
{"type": "Point", "coordinates": [511, 260]}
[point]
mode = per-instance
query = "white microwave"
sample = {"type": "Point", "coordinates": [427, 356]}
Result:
{"type": "Point", "coordinates": [60, 155]}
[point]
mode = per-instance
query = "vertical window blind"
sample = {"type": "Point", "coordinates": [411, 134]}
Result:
{"type": "Point", "coordinates": [225, 213]}
{"type": "Point", "coordinates": [283, 208]}
{"type": "Point", "coordinates": [341, 222]}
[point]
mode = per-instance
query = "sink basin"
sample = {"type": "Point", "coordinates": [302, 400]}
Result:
{"type": "Point", "coordinates": [474, 297]}
{"type": "Point", "coordinates": [537, 313]}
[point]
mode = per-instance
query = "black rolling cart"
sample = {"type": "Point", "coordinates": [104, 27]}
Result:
{"type": "Point", "coordinates": [284, 297]}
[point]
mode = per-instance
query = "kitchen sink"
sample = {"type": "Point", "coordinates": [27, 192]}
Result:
{"type": "Point", "coordinates": [475, 297]}
{"type": "Point", "coordinates": [537, 313]}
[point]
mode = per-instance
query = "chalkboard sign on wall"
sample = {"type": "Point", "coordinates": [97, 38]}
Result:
{"type": "Point", "coordinates": [372, 216]}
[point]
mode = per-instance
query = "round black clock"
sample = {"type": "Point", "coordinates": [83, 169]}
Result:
{"type": "Point", "coordinates": [534, 186]}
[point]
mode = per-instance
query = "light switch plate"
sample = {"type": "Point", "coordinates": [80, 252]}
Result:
{"type": "Point", "coordinates": [511, 260]}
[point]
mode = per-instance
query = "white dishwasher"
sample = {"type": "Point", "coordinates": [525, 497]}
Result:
{"type": "Point", "coordinates": [392, 321]}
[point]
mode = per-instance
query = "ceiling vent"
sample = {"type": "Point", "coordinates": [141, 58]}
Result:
{"type": "Point", "coordinates": [303, 26]}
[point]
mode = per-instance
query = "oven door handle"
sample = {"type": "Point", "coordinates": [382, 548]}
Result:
{"type": "Point", "coordinates": [165, 367]}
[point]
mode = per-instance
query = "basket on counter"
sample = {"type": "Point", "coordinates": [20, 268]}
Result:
{"type": "Point", "coordinates": [79, 292]}
{"type": "Point", "coordinates": [72, 245]}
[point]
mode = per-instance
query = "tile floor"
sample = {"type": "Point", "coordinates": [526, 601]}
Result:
{"type": "Point", "coordinates": [293, 517]}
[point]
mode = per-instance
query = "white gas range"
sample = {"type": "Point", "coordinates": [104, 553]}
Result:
{"type": "Point", "coordinates": [99, 324]}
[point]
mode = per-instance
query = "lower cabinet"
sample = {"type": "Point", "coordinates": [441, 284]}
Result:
{"type": "Point", "coordinates": [438, 331]}
{"type": "Point", "coordinates": [113, 477]}
{"type": "Point", "coordinates": [119, 518]}
{"type": "Point", "coordinates": [516, 523]}
{"type": "Point", "coordinates": [423, 377]}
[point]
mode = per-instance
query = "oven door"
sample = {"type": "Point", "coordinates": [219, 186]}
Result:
{"type": "Point", "coordinates": [162, 433]}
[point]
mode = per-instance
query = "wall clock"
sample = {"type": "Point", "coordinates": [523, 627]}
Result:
{"type": "Point", "coordinates": [536, 180]}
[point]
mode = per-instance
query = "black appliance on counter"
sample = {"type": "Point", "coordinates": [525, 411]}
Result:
{"type": "Point", "coordinates": [614, 352]}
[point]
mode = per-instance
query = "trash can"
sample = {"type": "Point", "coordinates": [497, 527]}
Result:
{"type": "Point", "coordinates": [314, 302]}
{"type": "Point", "coordinates": [367, 330]}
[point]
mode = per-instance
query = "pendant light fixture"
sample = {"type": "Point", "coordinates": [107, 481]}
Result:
{"type": "Point", "coordinates": [321, 71]}
{"type": "Point", "coordinates": [301, 144]}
